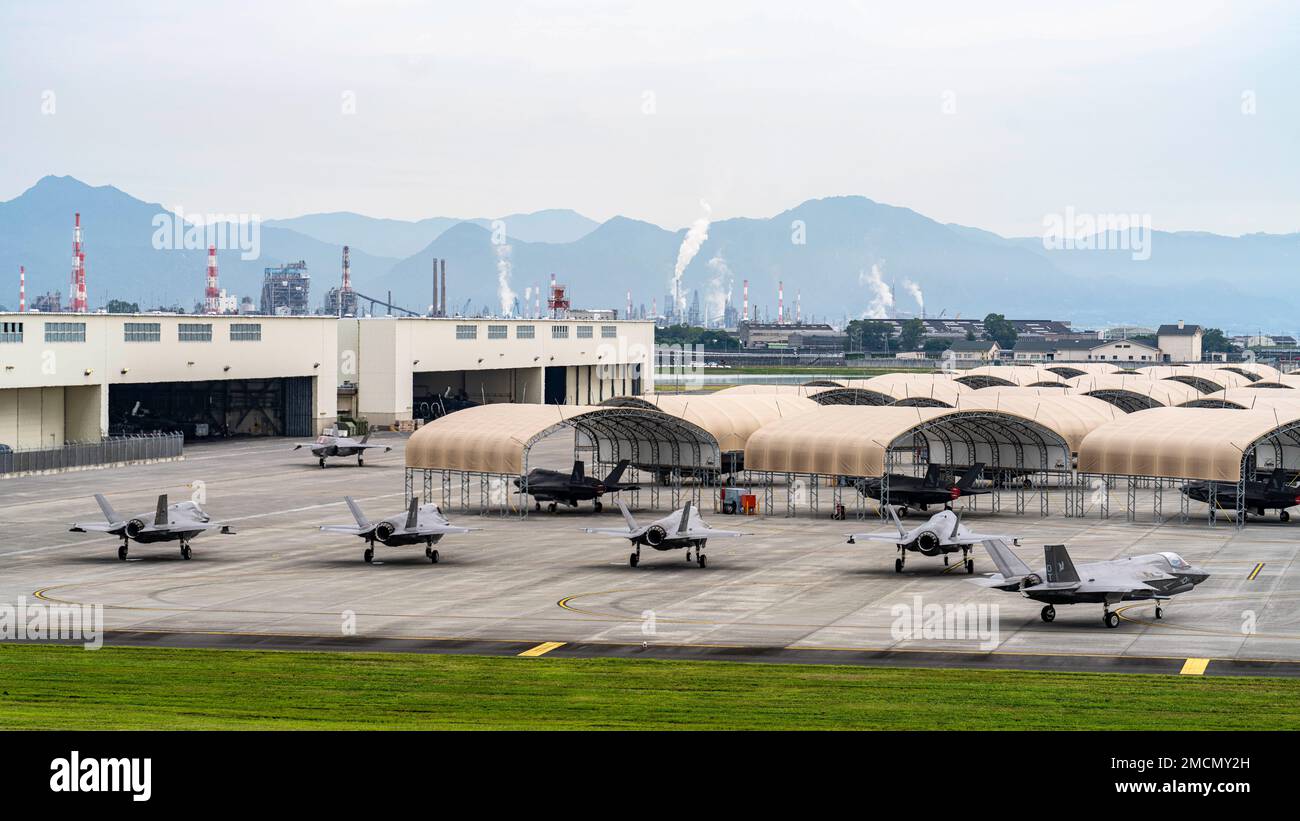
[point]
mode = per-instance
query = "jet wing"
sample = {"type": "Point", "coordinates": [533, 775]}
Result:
{"type": "Point", "coordinates": [892, 538]}
{"type": "Point", "coordinates": [611, 531]}
{"type": "Point", "coordinates": [367, 447]}
{"type": "Point", "coordinates": [96, 527]}
{"type": "Point", "coordinates": [439, 530]}
{"type": "Point", "coordinates": [184, 526]}
{"type": "Point", "coordinates": [1053, 587]}
{"type": "Point", "coordinates": [351, 530]}
{"type": "Point", "coordinates": [707, 533]}
{"type": "Point", "coordinates": [976, 538]}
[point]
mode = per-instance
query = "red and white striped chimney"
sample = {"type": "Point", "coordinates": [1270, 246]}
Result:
{"type": "Point", "coordinates": [78, 302]}
{"type": "Point", "coordinates": [780, 302]}
{"type": "Point", "coordinates": [744, 309]}
{"type": "Point", "coordinates": [628, 315]}
{"type": "Point", "coordinates": [22, 289]}
{"type": "Point", "coordinates": [212, 296]}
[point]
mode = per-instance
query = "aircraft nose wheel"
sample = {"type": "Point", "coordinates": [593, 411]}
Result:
{"type": "Point", "coordinates": [1160, 612]}
{"type": "Point", "coordinates": [701, 559]}
{"type": "Point", "coordinates": [551, 507]}
{"type": "Point", "coordinates": [633, 559]}
{"type": "Point", "coordinates": [1048, 613]}
{"type": "Point", "coordinates": [1284, 516]}
{"type": "Point", "coordinates": [185, 552]}
{"type": "Point", "coordinates": [121, 553]}
{"type": "Point", "coordinates": [970, 566]}
{"type": "Point", "coordinates": [360, 462]}
{"type": "Point", "coordinates": [431, 555]}
{"type": "Point", "coordinates": [369, 555]}
{"type": "Point", "coordinates": [322, 461]}
{"type": "Point", "coordinates": [597, 506]}
{"type": "Point", "coordinates": [898, 565]}
{"type": "Point", "coordinates": [1110, 619]}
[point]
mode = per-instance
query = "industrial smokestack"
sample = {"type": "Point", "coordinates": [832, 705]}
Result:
{"type": "Point", "coordinates": [436, 305]}
{"type": "Point", "coordinates": [628, 315]}
{"type": "Point", "coordinates": [744, 310]}
{"type": "Point", "coordinates": [22, 289]}
{"type": "Point", "coordinates": [442, 295]}
{"type": "Point", "coordinates": [780, 302]}
{"type": "Point", "coordinates": [212, 296]}
{"type": "Point", "coordinates": [78, 302]}
{"type": "Point", "coordinates": [798, 307]}
{"type": "Point", "coordinates": [347, 271]}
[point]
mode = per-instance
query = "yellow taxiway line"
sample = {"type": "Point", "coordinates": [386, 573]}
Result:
{"type": "Point", "coordinates": [542, 649]}
{"type": "Point", "coordinates": [1255, 572]}
{"type": "Point", "coordinates": [1195, 667]}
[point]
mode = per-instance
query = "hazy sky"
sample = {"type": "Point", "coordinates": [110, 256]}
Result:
{"type": "Point", "coordinates": [991, 114]}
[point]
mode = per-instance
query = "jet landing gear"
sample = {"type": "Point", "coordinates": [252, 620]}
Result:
{"type": "Point", "coordinates": [597, 506]}
{"type": "Point", "coordinates": [369, 555]}
{"type": "Point", "coordinates": [635, 558]}
{"type": "Point", "coordinates": [968, 561]}
{"type": "Point", "coordinates": [360, 462]}
{"type": "Point", "coordinates": [1109, 618]}
{"type": "Point", "coordinates": [1048, 613]}
{"type": "Point", "coordinates": [121, 551]}
{"type": "Point", "coordinates": [901, 560]}
{"type": "Point", "coordinates": [185, 551]}
{"type": "Point", "coordinates": [700, 558]}
{"type": "Point", "coordinates": [322, 462]}
{"type": "Point", "coordinates": [430, 553]}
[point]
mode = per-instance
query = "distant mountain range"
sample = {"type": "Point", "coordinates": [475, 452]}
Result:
{"type": "Point", "coordinates": [1238, 283]}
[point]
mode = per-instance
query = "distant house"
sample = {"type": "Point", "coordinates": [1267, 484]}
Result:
{"type": "Point", "coordinates": [1124, 350]}
{"type": "Point", "coordinates": [1180, 343]}
{"type": "Point", "coordinates": [1033, 350]}
{"type": "Point", "coordinates": [976, 350]}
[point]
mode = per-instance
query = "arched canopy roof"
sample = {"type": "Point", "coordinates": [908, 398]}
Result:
{"type": "Point", "coordinates": [496, 438]}
{"type": "Point", "coordinates": [1272, 384]}
{"type": "Point", "coordinates": [1024, 376]}
{"type": "Point", "coordinates": [1205, 380]}
{"type": "Point", "coordinates": [1070, 417]}
{"type": "Point", "coordinates": [1193, 443]}
{"type": "Point", "coordinates": [1070, 370]}
{"type": "Point", "coordinates": [1244, 399]}
{"type": "Point", "coordinates": [821, 394]}
{"type": "Point", "coordinates": [1014, 431]}
{"type": "Point", "coordinates": [1254, 371]}
{"type": "Point", "coordinates": [729, 419]}
{"type": "Point", "coordinates": [1131, 392]}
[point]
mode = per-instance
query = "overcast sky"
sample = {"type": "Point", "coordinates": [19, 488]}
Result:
{"type": "Point", "coordinates": [990, 115]}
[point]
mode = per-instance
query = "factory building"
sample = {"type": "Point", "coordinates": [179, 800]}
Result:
{"type": "Point", "coordinates": [1180, 342]}
{"type": "Point", "coordinates": [286, 290]}
{"type": "Point", "coordinates": [791, 335]}
{"type": "Point", "coordinates": [66, 378]}
{"type": "Point", "coordinates": [392, 369]}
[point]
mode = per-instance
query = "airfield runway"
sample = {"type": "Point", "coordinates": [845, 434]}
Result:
{"type": "Point", "coordinates": [791, 591]}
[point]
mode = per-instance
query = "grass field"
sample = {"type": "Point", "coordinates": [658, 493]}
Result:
{"type": "Point", "coordinates": [51, 687]}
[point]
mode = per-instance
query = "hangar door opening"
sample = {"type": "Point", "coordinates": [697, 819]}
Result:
{"type": "Point", "coordinates": [219, 408]}
{"type": "Point", "coordinates": [556, 385]}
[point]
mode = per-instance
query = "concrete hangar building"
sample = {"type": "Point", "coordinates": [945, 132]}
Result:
{"type": "Point", "coordinates": [77, 377]}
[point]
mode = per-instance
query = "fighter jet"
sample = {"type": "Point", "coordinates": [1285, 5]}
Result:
{"type": "Point", "coordinates": [420, 523]}
{"type": "Point", "coordinates": [1275, 494]}
{"type": "Point", "coordinates": [1156, 576]}
{"type": "Point", "coordinates": [942, 534]}
{"type": "Point", "coordinates": [333, 443]}
{"type": "Point", "coordinates": [168, 523]}
{"type": "Point", "coordinates": [906, 491]}
{"type": "Point", "coordinates": [555, 487]}
{"type": "Point", "coordinates": [681, 528]}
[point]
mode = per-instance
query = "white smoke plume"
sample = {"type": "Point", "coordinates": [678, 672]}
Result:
{"type": "Point", "coordinates": [721, 282]}
{"type": "Point", "coordinates": [505, 294]}
{"type": "Point", "coordinates": [882, 299]}
{"type": "Point", "coordinates": [915, 291]}
{"type": "Point", "coordinates": [695, 237]}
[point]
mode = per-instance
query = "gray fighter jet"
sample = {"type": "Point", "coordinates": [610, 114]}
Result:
{"type": "Point", "coordinates": [419, 524]}
{"type": "Point", "coordinates": [333, 443]}
{"type": "Point", "coordinates": [1156, 576]}
{"type": "Point", "coordinates": [681, 528]}
{"type": "Point", "coordinates": [168, 523]}
{"type": "Point", "coordinates": [942, 534]}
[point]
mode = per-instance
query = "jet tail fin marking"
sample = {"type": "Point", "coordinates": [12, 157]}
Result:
{"type": "Point", "coordinates": [685, 524]}
{"type": "Point", "coordinates": [577, 474]}
{"type": "Point", "coordinates": [1060, 567]}
{"type": "Point", "coordinates": [413, 513]}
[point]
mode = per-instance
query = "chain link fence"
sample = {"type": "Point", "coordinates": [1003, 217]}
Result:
{"type": "Point", "coordinates": [110, 450]}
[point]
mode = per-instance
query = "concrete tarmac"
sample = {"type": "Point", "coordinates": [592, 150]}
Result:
{"type": "Point", "coordinates": [790, 591]}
